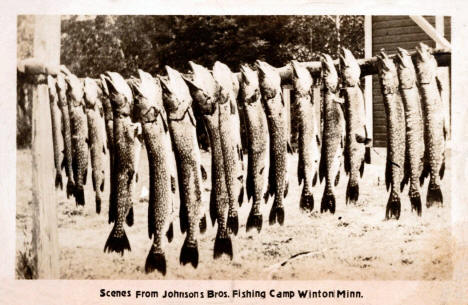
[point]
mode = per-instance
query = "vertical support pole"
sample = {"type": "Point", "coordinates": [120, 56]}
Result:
{"type": "Point", "coordinates": [443, 74]}
{"type": "Point", "coordinates": [45, 241]}
{"type": "Point", "coordinates": [368, 78]}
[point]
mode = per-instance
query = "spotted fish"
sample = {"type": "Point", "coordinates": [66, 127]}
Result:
{"type": "Point", "coordinates": [357, 137]}
{"type": "Point", "coordinates": [57, 138]}
{"type": "Point", "coordinates": [205, 93]}
{"type": "Point", "coordinates": [61, 86]}
{"type": "Point", "coordinates": [414, 125]}
{"type": "Point", "coordinates": [308, 134]}
{"type": "Point", "coordinates": [229, 130]}
{"type": "Point", "coordinates": [396, 133]}
{"type": "Point", "coordinates": [96, 136]}
{"type": "Point", "coordinates": [124, 134]}
{"type": "Point", "coordinates": [79, 138]}
{"type": "Point", "coordinates": [182, 126]}
{"type": "Point", "coordinates": [258, 144]}
{"type": "Point", "coordinates": [435, 128]}
{"type": "Point", "coordinates": [275, 109]}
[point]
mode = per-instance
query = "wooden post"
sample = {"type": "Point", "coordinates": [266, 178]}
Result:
{"type": "Point", "coordinates": [45, 241]}
{"type": "Point", "coordinates": [368, 78]}
{"type": "Point", "coordinates": [443, 74]}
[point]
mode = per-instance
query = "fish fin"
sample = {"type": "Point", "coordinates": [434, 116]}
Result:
{"type": "Point", "coordinates": [434, 195]}
{"type": "Point", "coordinates": [117, 242]}
{"type": "Point", "coordinates": [249, 183]}
{"type": "Point", "coordinates": [328, 202]}
{"type": "Point", "coordinates": [101, 187]}
{"type": "Point", "coordinates": [361, 168]}
{"type": "Point", "coordinates": [415, 199]}
{"type": "Point", "coordinates": [289, 147]}
{"type": "Point", "coordinates": [367, 155]}
{"type": "Point", "coordinates": [213, 205]}
{"type": "Point", "coordinates": [240, 200]}
{"type": "Point", "coordinates": [203, 172]}
{"type": "Point", "coordinates": [183, 216]}
{"type": "Point", "coordinates": [352, 193]}
{"type": "Point", "coordinates": [98, 204]}
{"type": "Point", "coordinates": [189, 254]}
{"type": "Point", "coordinates": [254, 221]}
{"type": "Point", "coordinates": [79, 195]}
{"type": "Point", "coordinates": [393, 207]}
{"type": "Point", "coordinates": [337, 178]}
{"type": "Point", "coordinates": [233, 224]}
{"type": "Point", "coordinates": [155, 261]}
{"type": "Point", "coordinates": [64, 162]}
{"type": "Point", "coordinates": [363, 140]}
{"type": "Point", "coordinates": [307, 201]}
{"type": "Point", "coordinates": [173, 184]}
{"type": "Point", "coordinates": [129, 220]}
{"type": "Point", "coordinates": [300, 170]}
{"type": "Point", "coordinates": [388, 174]}
{"type": "Point", "coordinates": [93, 179]}
{"type": "Point", "coordinates": [170, 232]}
{"type": "Point", "coordinates": [347, 162]}
{"type": "Point", "coordinates": [276, 215]}
{"type": "Point", "coordinates": [314, 180]}
{"type": "Point", "coordinates": [425, 173]}
{"type": "Point", "coordinates": [58, 180]}
{"type": "Point", "coordinates": [319, 142]}
{"type": "Point", "coordinates": [322, 165]}
{"type": "Point", "coordinates": [136, 177]}
{"type": "Point", "coordinates": [286, 190]}
{"type": "Point", "coordinates": [104, 149]}
{"type": "Point", "coordinates": [85, 176]}
{"type": "Point", "coordinates": [442, 169]}
{"type": "Point", "coordinates": [222, 245]}
{"type": "Point", "coordinates": [202, 224]}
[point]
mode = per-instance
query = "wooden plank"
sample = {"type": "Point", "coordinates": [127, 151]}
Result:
{"type": "Point", "coordinates": [380, 18]}
{"type": "Point", "coordinates": [396, 31]}
{"type": "Point", "coordinates": [391, 24]}
{"type": "Point", "coordinates": [411, 37]}
{"type": "Point", "coordinates": [45, 241]}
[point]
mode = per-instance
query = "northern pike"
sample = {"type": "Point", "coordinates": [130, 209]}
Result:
{"type": "Point", "coordinates": [229, 131]}
{"type": "Point", "coordinates": [57, 138]}
{"type": "Point", "coordinates": [79, 135]}
{"type": "Point", "coordinates": [435, 129]}
{"type": "Point", "coordinates": [96, 136]}
{"type": "Point", "coordinates": [151, 114]}
{"type": "Point", "coordinates": [333, 134]}
{"type": "Point", "coordinates": [258, 144]}
{"type": "Point", "coordinates": [66, 132]}
{"type": "Point", "coordinates": [124, 134]}
{"type": "Point", "coordinates": [205, 91]}
{"type": "Point", "coordinates": [275, 109]}
{"type": "Point", "coordinates": [414, 125]}
{"type": "Point", "coordinates": [182, 126]}
{"type": "Point", "coordinates": [356, 132]}
{"type": "Point", "coordinates": [396, 133]}
{"type": "Point", "coordinates": [308, 134]}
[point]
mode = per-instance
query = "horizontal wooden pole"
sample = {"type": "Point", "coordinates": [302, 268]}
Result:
{"type": "Point", "coordinates": [35, 66]}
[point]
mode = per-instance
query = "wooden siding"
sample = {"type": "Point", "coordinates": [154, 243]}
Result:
{"type": "Point", "coordinates": [390, 32]}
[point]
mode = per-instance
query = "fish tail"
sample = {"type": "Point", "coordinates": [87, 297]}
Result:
{"type": "Point", "coordinates": [117, 242]}
{"type": "Point", "coordinates": [79, 195]}
{"type": "Point", "coordinates": [189, 254]}
{"type": "Point", "coordinates": [203, 224]}
{"type": "Point", "coordinates": [367, 155]}
{"type": "Point", "coordinates": [352, 193]}
{"type": "Point", "coordinates": [98, 204]}
{"type": "Point", "coordinates": [393, 206]}
{"type": "Point", "coordinates": [415, 199]}
{"type": "Point", "coordinates": [170, 233]}
{"type": "Point", "coordinates": [129, 220]}
{"type": "Point", "coordinates": [434, 195]}
{"type": "Point", "coordinates": [233, 222]}
{"type": "Point", "coordinates": [222, 244]}
{"type": "Point", "coordinates": [254, 221]}
{"type": "Point", "coordinates": [276, 214]}
{"type": "Point", "coordinates": [70, 188]}
{"type": "Point", "coordinates": [58, 180]}
{"type": "Point", "coordinates": [328, 201]}
{"type": "Point", "coordinates": [307, 200]}
{"type": "Point", "coordinates": [156, 260]}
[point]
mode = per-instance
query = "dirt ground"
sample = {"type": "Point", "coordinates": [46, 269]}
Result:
{"type": "Point", "coordinates": [355, 243]}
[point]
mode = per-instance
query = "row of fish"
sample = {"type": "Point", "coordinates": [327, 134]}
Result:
{"type": "Point", "coordinates": [113, 116]}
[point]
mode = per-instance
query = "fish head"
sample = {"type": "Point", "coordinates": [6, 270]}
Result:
{"type": "Point", "coordinates": [203, 88]}
{"type": "Point", "coordinates": [103, 85]}
{"type": "Point", "coordinates": [426, 64]}
{"type": "Point", "coordinates": [91, 92]}
{"type": "Point", "coordinates": [301, 78]}
{"type": "Point", "coordinates": [387, 73]}
{"type": "Point", "coordinates": [61, 86]}
{"type": "Point", "coordinates": [120, 93]}
{"type": "Point", "coordinates": [175, 91]}
{"type": "Point", "coordinates": [249, 85]}
{"type": "Point", "coordinates": [405, 69]}
{"type": "Point", "coordinates": [75, 92]}
{"type": "Point", "coordinates": [269, 79]}
{"type": "Point", "coordinates": [350, 69]}
{"type": "Point", "coordinates": [224, 78]}
{"type": "Point", "coordinates": [147, 93]}
{"type": "Point", "coordinates": [329, 73]}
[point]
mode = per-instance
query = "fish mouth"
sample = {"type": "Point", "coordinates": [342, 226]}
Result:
{"type": "Point", "coordinates": [327, 61]}
{"type": "Point", "coordinates": [422, 51]}
{"type": "Point", "coordinates": [385, 61]}
{"type": "Point", "coordinates": [347, 57]}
